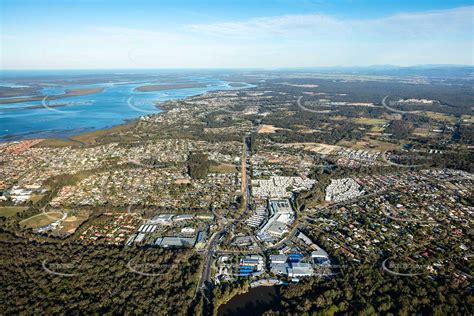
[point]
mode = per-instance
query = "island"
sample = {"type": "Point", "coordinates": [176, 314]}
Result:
{"type": "Point", "coordinates": [158, 87]}
{"type": "Point", "coordinates": [68, 93]}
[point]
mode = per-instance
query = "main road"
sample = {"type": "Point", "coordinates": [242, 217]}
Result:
{"type": "Point", "coordinates": [205, 281]}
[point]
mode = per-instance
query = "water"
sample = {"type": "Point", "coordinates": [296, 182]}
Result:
{"type": "Point", "coordinates": [255, 302]}
{"type": "Point", "coordinates": [116, 104]}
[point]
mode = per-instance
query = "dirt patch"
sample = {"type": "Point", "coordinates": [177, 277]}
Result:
{"type": "Point", "coordinates": [267, 129]}
{"type": "Point", "coordinates": [320, 148]}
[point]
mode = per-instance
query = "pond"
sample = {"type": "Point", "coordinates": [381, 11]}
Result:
{"type": "Point", "coordinates": [255, 302]}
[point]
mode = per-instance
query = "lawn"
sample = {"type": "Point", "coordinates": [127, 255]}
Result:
{"type": "Point", "coordinates": [41, 219]}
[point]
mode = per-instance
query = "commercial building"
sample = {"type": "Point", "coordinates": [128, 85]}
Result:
{"type": "Point", "coordinates": [163, 219]}
{"type": "Point", "coordinates": [175, 242]}
{"type": "Point", "coordinates": [300, 269]}
{"type": "Point", "coordinates": [276, 259]}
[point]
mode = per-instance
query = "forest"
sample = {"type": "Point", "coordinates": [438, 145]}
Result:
{"type": "Point", "coordinates": [63, 278]}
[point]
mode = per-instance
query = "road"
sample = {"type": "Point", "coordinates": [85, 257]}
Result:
{"type": "Point", "coordinates": [205, 282]}
{"type": "Point", "coordinates": [384, 103]}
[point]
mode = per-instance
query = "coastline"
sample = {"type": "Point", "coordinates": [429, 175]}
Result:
{"type": "Point", "coordinates": [89, 134]}
{"type": "Point", "coordinates": [89, 137]}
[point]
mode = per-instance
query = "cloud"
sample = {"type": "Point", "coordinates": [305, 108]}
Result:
{"type": "Point", "coordinates": [281, 41]}
{"type": "Point", "coordinates": [456, 21]}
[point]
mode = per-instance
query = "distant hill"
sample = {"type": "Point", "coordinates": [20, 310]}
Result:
{"type": "Point", "coordinates": [431, 71]}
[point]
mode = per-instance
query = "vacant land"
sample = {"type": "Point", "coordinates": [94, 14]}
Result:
{"type": "Point", "coordinates": [8, 211]}
{"type": "Point", "coordinates": [368, 143]}
{"type": "Point", "coordinates": [42, 219]}
{"type": "Point", "coordinates": [91, 137]}
{"type": "Point", "coordinates": [72, 222]}
{"type": "Point", "coordinates": [301, 85]}
{"type": "Point", "coordinates": [68, 93]}
{"type": "Point", "coordinates": [158, 87]}
{"type": "Point", "coordinates": [369, 121]}
{"type": "Point", "coordinates": [320, 148]}
{"type": "Point", "coordinates": [441, 117]}
{"type": "Point", "coordinates": [223, 168]}
{"type": "Point", "coordinates": [422, 131]}
{"type": "Point", "coordinates": [53, 142]}
{"type": "Point", "coordinates": [467, 118]}
{"type": "Point", "coordinates": [267, 129]}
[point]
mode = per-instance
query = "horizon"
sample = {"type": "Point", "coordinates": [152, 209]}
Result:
{"type": "Point", "coordinates": [65, 35]}
{"type": "Point", "coordinates": [246, 68]}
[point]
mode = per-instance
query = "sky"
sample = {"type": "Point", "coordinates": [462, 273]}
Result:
{"type": "Point", "coordinates": [118, 34]}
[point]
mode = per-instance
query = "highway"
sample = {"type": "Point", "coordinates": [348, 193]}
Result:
{"type": "Point", "coordinates": [205, 282]}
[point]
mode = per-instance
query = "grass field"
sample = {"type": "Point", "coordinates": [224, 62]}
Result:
{"type": "Point", "coordinates": [89, 138]}
{"type": "Point", "coordinates": [338, 118]}
{"type": "Point", "coordinates": [320, 148]}
{"type": "Point", "coordinates": [41, 219]}
{"type": "Point", "coordinates": [8, 211]}
{"type": "Point", "coordinates": [440, 117]}
{"type": "Point", "coordinates": [421, 131]}
{"type": "Point", "coordinates": [57, 143]}
{"type": "Point", "coordinates": [369, 121]}
{"type": "Point", "coordinates": [72, 222]}
{"type": "Point", "coordinates": [368, 143]}
{"type": "Point", "coordinates": [36, 197]}
{"type": "Point", "coordinates": [223, 168]}
{"type": "Point", "coordinates": [377, 129]}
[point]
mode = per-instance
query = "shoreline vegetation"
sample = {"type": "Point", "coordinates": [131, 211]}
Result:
{"type": "Point", "coordinates": [159, 87]}
{"type": "Point", "coordinates": [68, 93]}
{"type": "Point", "coordinates": [88, 138]}
{"type": "Point", "coordinates": [237, 84]}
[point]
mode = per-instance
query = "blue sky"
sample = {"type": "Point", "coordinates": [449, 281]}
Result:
{"type": "Point", "coordinates": [72, 34]}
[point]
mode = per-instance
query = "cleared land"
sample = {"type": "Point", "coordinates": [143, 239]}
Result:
{"type": "Point", "coordinates": [440, 117]}
{"type": "Point", "coordinates": [223, 168]}
{"type": "Point", "coordinates": [72, 222]}
{"type": "Point", "coordinates": [372, 144]}
{"type": "Point", "coordinates": [467, 118]}
{"type": "Point", "coordinates": [58, 143]}
{"type": "Point", "coordinates": [267, 129]}
{"type": "Point", "coordinates": [301, 85]}
{"type": "Point", "coordinates": [41, 219]}
{"type": "Point", "coordinates": [369, 121]}
{"type": "Point", "coordinates": [90, 138]}
{"type": "Point", "coordinates": [8, 211]}
{"type": "Point", "coordinates": [158, 87]}
{"type": "Point", "coordinates": [320, 148]}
